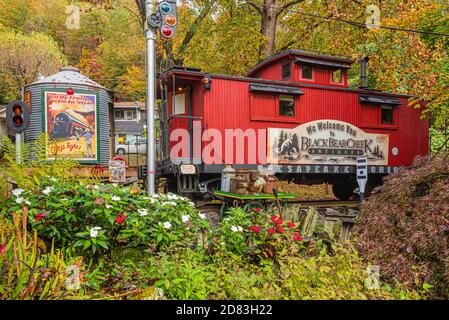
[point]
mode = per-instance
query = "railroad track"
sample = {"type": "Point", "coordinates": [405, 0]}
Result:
{"type": "Point", "coordinates": [302, 203]}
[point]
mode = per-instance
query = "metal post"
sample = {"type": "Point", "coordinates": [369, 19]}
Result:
{"type": "Point", "coordinates": [18, 148]}
{"type": "Point", "coordinates": [150, 39]}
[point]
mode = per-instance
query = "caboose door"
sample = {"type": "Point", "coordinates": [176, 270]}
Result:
{"type": "Point", "coordinates": [179, 120]}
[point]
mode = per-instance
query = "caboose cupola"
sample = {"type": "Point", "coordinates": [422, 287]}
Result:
{"type": "Point", "coordinates": [304, 67]}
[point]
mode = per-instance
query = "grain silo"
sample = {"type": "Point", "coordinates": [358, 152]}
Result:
{"type": "Point", "coordinates": [75, 111]}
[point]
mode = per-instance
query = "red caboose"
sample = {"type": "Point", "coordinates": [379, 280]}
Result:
{"type": "Point", "coordinates": [293, 112]}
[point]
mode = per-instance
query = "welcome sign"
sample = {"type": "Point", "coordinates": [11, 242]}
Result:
{"type": "Point", "coordinates": [326, 142]}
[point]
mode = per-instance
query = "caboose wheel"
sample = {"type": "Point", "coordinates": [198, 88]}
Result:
{"type": "Point", "coordinates": [343, 191]}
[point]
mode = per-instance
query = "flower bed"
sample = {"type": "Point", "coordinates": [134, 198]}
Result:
{"type": "Point", "coordinates": [92, 218]}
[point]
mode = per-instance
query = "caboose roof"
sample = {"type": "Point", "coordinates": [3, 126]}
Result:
{"type": "Point", "coordinates": [182, 74]}
{"type": "Point", "coordinates": [335, 61]}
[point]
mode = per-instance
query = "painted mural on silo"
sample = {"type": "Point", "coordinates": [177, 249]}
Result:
{"type": "Point", "coordinates": [71, 121]}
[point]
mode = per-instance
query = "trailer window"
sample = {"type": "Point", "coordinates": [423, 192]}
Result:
{"type": "Point", "coordinates": [386, 114]}
{"type": "Point", "coordinates": [306, 72]}
{"type": "Point", "coordinates": [287, 106]}
{"type": "Point", "coordinates": [337, 76]}
{"type": "Point", "coordinates": [286, 71]}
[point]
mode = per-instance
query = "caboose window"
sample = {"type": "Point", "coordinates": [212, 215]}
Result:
{"type": "Point", "coordinates": [306, 72]}
{"type": "Point", "coordinates": [386, 114]}
{"type": "Point", "coordinates": [337, 76]}
{"type": "Point", "coordinates": [286, 71]}
{"type": "Point", "coordinates": [286, 106]}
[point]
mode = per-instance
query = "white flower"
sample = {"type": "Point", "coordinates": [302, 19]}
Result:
{"type": "Point", "coordinates": [234, 229]}
{"type": "Point", "coordinates": [240, 228]}
{"type": "Point", "coordinates": [202, 216]}
{"type": "Point", "coordinates": [185, 218]}
{"type": "Point", "coordinates": [19, 200]}
{"type": "Point", "coordinates": [94, 232]}
{"type": "Point", "coordinates": [27, 203]}
{"type": "Point", "coordinates": [108, 206]}
{"type": "Point", "coordinates": [168, 203]}
{"type": "Point", "coordinates": [191, 203]}
{"type": "Point", "coordinates": [47, 190]}
{"type": "Point", "coordinates": [167, 225]}
{"type": "Point", "coordinates": [96, 187]}
{"type": "Point", "coordinates": [143, 212]}
{"type": "Point", "coordinates": [115, 198]}
{"type": "Point", "coordinates": [53, 179]}
{"type": "Point", "coordinates": [17, 192]}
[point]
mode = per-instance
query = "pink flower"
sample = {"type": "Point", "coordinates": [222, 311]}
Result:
{"type": "Point", "coordinates": [120, 219]}
{"type": "Point", "coordinates": [257, 210]}
{"type": "Point", "coordinates": [3, 248]}
{"type": "Point", "coordinates": [297, 237]}
{"type": "Point", "coordinates": [100, 201]}
{"type": "Point", "coordinates": [255, 229]}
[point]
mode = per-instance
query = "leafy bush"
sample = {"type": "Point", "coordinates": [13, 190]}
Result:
{"type": "Point", "coordinates": [257, 232]}
{"type": "Point", "coordinates": [404, 226]}
{"type": "Point", "coordinates": [93, 218]}
{"type": "Point", "coordinates": [33, 166]}
{"type": "Point", "coordinates": [26, 272]}
{"type": "Point", "coordinates": [194, 275]}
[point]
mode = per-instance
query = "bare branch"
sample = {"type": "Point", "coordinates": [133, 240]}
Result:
{"type": "Point", "coordinates": [255, 6]}
{"type": "Point", "coordinates": [288, 5]}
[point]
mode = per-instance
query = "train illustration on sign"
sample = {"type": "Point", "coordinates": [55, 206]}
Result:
{"type": "Point", "coordinates": [69, 124]}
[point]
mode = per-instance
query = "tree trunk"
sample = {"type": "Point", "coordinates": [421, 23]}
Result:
{"type": "Point", "coordinates": [268, 21]}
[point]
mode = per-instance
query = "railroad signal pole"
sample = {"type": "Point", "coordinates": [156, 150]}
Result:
{"type": "Point", "coordinates": [362, 175]}
{"type": "Point", "coordinates": [150, 40]}
{"type": "Point", "coordinates": [165, 19]}
{"type": "Point", "coordinates": [18, 120]}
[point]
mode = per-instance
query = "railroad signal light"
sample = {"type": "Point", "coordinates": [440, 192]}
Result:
{"type": "Point", "coordinates": [70, 92]}
{"type": "Point", "coordinates": [17, 116]}
{"type": "Point", "coordinates": [169, 20]}
{"type": "Point", "coordinates": [167, 32]}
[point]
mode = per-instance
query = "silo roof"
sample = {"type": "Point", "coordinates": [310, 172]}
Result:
{"type": "Point", "coordinates": [69, 75]}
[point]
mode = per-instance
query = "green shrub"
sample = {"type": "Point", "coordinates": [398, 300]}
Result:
{"type": "Point", "coordinates": [191, 274]}
{"type": "Point", "coordinates": [258, 233]}
{"type": "Point", "coordinates": [95, 217]}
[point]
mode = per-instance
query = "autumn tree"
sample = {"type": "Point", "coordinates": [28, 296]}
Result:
{"type": "Point", "coordinates": [24, 57]}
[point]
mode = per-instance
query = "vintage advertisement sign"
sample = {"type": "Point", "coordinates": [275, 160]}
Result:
{"type": "Point", "coordinates": [326, 142]}
{"type": "Point", "coordinates": [71, 124]}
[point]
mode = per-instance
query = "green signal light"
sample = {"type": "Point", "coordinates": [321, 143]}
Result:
{"type": "Point", "coordinates": [165, 7]}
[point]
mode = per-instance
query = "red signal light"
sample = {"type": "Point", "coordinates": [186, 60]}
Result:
{"type": "Point", "coordinates": [167, 31]}
{"type": "Point", "coordinates": [70, 92]}
{"type": "Point", "coordinates": [170, 20]}
{"type": "Point", "coordinates": [18, 120]}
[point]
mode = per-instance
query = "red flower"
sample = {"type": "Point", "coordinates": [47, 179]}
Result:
{"type": "Point", "coordinates": [280, 229]}
{"type": "Point", "coordinates": [271, 230]}
{"type": "Point", "coordinates": [120, 219]}
{"type": "Point", "coordinates": [297, 237]}
{"type": "Point", "coordinates": [257, 210]}
{"type": "Point", "coordinates": [39, 216]}
{"type": "Point", "coordinates": [2, 249]}
{"type": "Point", "coordinates": [256, 229]}
{"type": "Point", "coordinates": [291, 225]}
{"type": "Point", "coordinates": [279, 221]}
{"type": "Point", "coordinates": [274, 219]}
